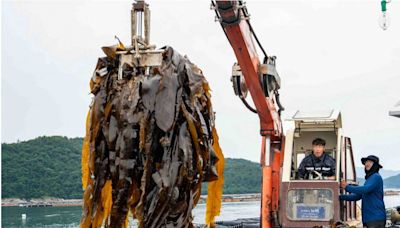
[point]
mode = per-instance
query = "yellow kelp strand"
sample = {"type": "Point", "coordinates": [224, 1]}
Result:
{"type": "Point", "coordinates": [214, 196]}
{"type": "Point", "coordinates": [85, 154]}
{"type": "Point", "coordinates": [106, 198]}
{"type": "Point", "coordinates": [104, 209]}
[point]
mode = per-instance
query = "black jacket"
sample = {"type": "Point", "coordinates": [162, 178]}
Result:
{"type": "Point", "coordinates": [326, 165]}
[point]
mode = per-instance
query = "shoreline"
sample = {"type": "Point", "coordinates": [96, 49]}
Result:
{"type": "Point", "coordinates": [41, 202]}
{"type": "Point", "coordinates": [58, 202]}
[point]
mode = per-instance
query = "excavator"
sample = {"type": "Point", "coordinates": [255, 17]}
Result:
{"type": "Point", "coordinates": [287, 201]}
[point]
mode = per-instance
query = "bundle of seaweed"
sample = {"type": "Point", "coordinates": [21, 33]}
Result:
{"type": "Point", "coordinates": [150, 143]}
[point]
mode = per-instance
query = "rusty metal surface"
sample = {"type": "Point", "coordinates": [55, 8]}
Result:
{"type": "Point", "coordinates": [150, 142]}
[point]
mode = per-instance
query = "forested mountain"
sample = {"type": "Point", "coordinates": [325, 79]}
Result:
{"type": "Point", "coordinates": [51, 166]}
{"type": "Point", "coordinates": [45, 166]}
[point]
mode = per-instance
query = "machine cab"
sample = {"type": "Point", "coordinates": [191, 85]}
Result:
{"type": "Point", "coordinates": [314, 201]}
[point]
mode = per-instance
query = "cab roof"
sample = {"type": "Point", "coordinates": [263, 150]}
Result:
{"type": "Point", "coordinates": [317, 119]}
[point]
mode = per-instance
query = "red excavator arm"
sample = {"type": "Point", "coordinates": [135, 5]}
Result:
{"type": "Point", "coordinates": [263, 82]}
{"type": "Point", "coordinates": [235, 23]}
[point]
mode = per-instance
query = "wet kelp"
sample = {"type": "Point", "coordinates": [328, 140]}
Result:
{"type": "Point", "coordinates": [150, 143]}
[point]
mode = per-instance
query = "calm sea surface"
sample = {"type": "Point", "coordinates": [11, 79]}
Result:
{"type": "Point", "coordinates": [70, 216]}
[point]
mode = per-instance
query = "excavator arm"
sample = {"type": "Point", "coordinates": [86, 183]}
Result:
{"type": "Point", "coordinates": [234, 20]}
{"type": "Point", "coordinates": [263, 82]}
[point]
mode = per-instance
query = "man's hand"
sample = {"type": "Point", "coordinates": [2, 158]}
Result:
{"type": "Point", "coordinates": [343, 184]}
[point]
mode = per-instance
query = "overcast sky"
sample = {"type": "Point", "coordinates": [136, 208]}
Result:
{"type": "Point", "coordinates": [331, 55]}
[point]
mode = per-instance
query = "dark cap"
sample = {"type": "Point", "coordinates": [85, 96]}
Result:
{"type": "Point", "coordinates": [373, 158]}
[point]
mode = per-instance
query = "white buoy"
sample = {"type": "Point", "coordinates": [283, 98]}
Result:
{"type": "Point", "coordinates": [23, 216]}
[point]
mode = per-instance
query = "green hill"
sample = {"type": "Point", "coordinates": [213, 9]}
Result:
{"type": "Point", "coordinates": [45, 166]}
{"type": "Point", "coordinates": [51, 167]}
{"type": "Point", "coordinates": [241, 176]}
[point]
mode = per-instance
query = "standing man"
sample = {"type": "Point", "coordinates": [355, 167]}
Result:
{"type": "Point", "coordinates": [371, 193]}
{"type": "Point", "coordinates": [317, 165]}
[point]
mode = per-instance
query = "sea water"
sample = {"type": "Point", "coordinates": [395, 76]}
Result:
{"type": "Point", "coordinates": [70, 216]}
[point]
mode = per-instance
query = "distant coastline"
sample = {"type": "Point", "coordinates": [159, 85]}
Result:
{"type": "Point", "coordinates": [392, 192]}
{"type": "Point", "coordinates": [43, 202]}
{"type": "Point", "coordinates": [57, 202]}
